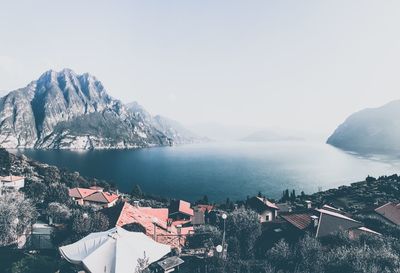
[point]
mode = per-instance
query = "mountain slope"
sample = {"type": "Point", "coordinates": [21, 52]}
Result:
{"type": "Point", "coordinates": [373, 130]}
{"type": "Point", "coordinates": [170, 128]}
{"type": "Point", "coordinates": [63, 110]}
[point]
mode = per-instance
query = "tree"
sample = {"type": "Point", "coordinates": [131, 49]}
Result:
{"type": "Point", "coordinates": [16, 215]}
{"type": "Point", "coordinates": [293, 196]}
{"type": "Point", "coordinates": [244, 225]}
{"type": "Point", "coordinates": [204, 236]}
{"type": "Point", "coordinates": [57, 192]}
{"type": "Point", "coordinates": [137, 191]}
{"type": "Point", "coordinates": [59, 213]}
{"type": "Point", "coordinates": [84, 223]}
{"type": "Point", "coordinates": [35, 264]}
{"type": "Point", "coordinates": [80, 223]}
{"type": "Point", "coordinates": [370, 179]}
{"type": "Point", "coordinates": [36, 191]}
{"type": "Point", "coordinates": [205, 200]}
{"type": "Point", "coordinates": [99, 222]}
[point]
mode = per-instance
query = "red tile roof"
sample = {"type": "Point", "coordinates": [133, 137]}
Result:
{"type": "Point", "coordinates": [184, 207]}
{"type": "Point", "coordinates": [93, 195]}
{"type": "Point", "coordinates": [145, 216]}
{"type": "Point", "coordinates": [299, 220]}
{"type": "Point", "coordinates": [390, 211]}
{"type": "Point", "coordinates": [80, 192]}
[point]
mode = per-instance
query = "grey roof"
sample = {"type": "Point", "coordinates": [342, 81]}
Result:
{"type": "Point", "coordinates": [390, 211]}
{"type": "Point", "coordinates": [170, 262]}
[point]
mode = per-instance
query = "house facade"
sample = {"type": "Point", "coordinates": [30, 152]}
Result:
{"type": "Point", "coordinates": [267, 211]}
{"type": "Point", "coordinates": [11, 183]}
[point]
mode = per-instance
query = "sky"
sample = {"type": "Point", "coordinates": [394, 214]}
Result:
{"type": "Point", "coordinates": [298, 65]}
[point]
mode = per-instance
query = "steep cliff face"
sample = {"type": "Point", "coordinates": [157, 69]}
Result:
{"type": "Point", "coordinates": [63, 110]}
{"type": "Point", "coordinates": [374, 130]}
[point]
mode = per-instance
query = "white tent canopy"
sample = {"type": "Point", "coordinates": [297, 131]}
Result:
{"type": "Point", "coordinates": [113, 251]}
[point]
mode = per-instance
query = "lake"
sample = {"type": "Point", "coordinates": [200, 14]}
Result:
{"type": "Point", "coordinates": [221, 170]}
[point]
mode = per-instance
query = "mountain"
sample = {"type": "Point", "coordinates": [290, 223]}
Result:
{"type": "Point", "coordinates": [170, 128]}
{"type": "Point", "coordinates": [372, 130]}
{"type": "Point", "coordinates": [269, 135]}
{"type": "Point", "coordinates": [64, 110]}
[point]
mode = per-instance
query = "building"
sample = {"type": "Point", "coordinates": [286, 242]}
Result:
{"type": "Point", "coordinates": [93, 197]}
{"type": "Point", "coordinates": [201, 214]}
{"type": "Point", "coordinates": [180, 210]}
{"type": "Point", "coordinates": [267, 211]}
{"type": "Point", "coordinates": [154, 222]}
{"type": "Point", "coordinates": [390, 212]}
{"type": "Point", "coordinates": [11, 183]}
{"type": "Point", "coordinates": [332, 220]}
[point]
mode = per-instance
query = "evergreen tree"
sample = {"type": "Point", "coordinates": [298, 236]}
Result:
{"type": "Point", "coordinates": [137, 191]}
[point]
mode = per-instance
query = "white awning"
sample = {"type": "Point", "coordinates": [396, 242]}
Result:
{"type": "Point", "coordinates": [113, 251]}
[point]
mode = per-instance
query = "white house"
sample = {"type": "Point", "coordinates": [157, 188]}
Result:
{"type": "Point", "coordinates": [11, 183]}
{"type": "Point", "coordinates": [267, 211]}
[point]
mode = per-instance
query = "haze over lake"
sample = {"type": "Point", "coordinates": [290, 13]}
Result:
{"type": "Point", "coordinates": [221, 170]}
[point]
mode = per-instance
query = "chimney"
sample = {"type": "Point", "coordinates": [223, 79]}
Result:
{"type": "Point", "coordinates": [136, 203]}
{"type": "Point", "coordinates": [315, 220]}
{"type": "Point", "coordinates": [308, 204]}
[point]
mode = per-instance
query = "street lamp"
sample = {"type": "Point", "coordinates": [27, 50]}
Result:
{"type": "Point", "coordinates": [224, 216]}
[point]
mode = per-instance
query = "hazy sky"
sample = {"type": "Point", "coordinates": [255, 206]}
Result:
{"type": "Point", "coordinates": [295, 64]}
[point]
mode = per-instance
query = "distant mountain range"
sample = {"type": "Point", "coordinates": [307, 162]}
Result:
{"type": "Point", "coordinates": [370, 131]}
{"type": "Point", "coordinates": [269, 135]}
{"type": "Point", "coordinates": [64, 110]}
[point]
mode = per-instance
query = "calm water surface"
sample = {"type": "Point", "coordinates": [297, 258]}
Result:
{"type": "Point", "coordinates": [222, 170]}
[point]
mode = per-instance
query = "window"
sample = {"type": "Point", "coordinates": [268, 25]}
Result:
{"type": "Point", "coordinates": [267, 218]}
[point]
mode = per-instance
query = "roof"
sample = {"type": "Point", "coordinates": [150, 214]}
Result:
{"type": "Point", "coordinates": [159, 213]}
{"type": "Point", "coordinates": [261, 204]}
{"type": "Point", "coordinates": [113, 251]}
{"type": "Point", "coordinates": [336, 214]}
{"type": "Point", "coordinates": [390, 211]}
{"type": "Point", "coordinates": [182, 207]}
{"type": "Point", "coordinates": [364, 229]}
{"type": "Point", "coordinates": [267, 203]}
{"type": "Point", "coordinates": [101, 197]}
{"type": "Point", "coordinates": [93, 195]}
{"type": "Point", "coordinates": [125, 213]}
{"type": "Point", "coordinates": [11, 178]}
{"type": "Point", "coordinates": [80, 192]}
{"type": "Point", "coordinates": [170, 263]}
{"type": "Point", "coordinates": [97, 188]}
{"type": "Point", "coordinates": [284, 207]}
{"type": "Point", "coordinates": [299, 220]}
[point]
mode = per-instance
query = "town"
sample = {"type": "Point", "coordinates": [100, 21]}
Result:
{"type": "Point", "coordinates": [56, 221]}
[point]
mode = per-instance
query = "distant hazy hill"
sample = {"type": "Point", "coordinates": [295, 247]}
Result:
{"type": "Point", "coordinates": [269, 135]}
{"type": "Point", "coordinates": [170, 128]}
{"type": "Point", "coordinates": [64, 110]}
{"type": "Point", "coordinates": [373, 130]}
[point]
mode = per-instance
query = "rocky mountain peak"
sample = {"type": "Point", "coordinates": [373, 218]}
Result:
{"type": "Point", "coordinates": [66, 110]}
